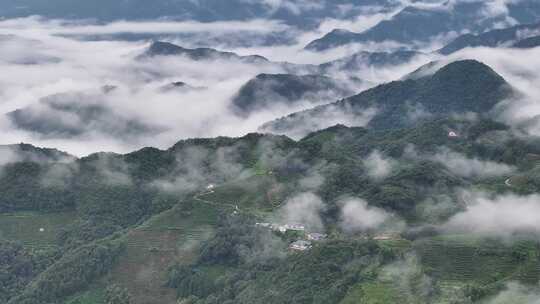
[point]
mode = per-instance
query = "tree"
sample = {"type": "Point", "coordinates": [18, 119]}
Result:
{"type": "Point", "coordinates": [117, 295]}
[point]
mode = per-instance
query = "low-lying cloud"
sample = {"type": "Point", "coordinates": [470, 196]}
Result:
{"type": "Point", "coordinates": [357, 216]}
{"type": "Point", "coordinates": [378, 166]}
{"type": "Point", "coordinates": [305, 209]}
{"type": "Point", "coordinates": [501, 215]}
{"type": "Point", "coordinates": [70, 27]}
{"type": "Point", "coordinates": [42, 63]}
{"type": "Point", "coordinates": [517, 294]}
{"type": "Point", "coordinates": [461, 164]}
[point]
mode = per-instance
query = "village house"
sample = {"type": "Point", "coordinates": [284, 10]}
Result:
{"type": "Point", "coordinates": [282, 228]}
{"type": "Point", "coordinates": [264, 225]}
{"type": "Point", "coordinates": [316, 236]}
{"type": "Point", "coordinates": [300, 246]}
{"type": "Point", "coordinates": [295, 227]}
{"type": "Point", "coordinates": [386, 236]}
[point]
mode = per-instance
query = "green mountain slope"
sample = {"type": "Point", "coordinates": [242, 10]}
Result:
{"type": "Point", "coordinates": [457, 88]}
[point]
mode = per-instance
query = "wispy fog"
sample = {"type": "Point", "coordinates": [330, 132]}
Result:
{"type": "Point", "coordinates": [497, 215]}
{"type": "Point", "coordinates": [52, 76]}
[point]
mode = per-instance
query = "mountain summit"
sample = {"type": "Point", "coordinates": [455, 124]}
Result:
{"type": "Point", "coordinates": [160, 48]}
{"type": "Point", "coordinates": [458, 88]}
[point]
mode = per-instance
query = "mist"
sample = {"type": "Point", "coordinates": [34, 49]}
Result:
{"type": "Point", "coordinates": [40, 58]}
{"type": "Point", "coordinates": [304, 209]}
{"type": "Point", "coordinates": [357, 216]}
{"type": "Point", "coordinates": [497, 215]}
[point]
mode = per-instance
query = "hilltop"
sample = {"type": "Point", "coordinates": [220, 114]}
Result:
{"type": "Point", "coordinates": [457, 88]}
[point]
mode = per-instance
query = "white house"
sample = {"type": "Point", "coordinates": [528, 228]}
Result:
{"type": "Point", "coordinates": [316, 236]}
{"type": "Point", "coordinates": [386, 236]}
{"type": "Point", "coordinates": [300, 246]}
{"type": "Point", "coordinates": [295, 227]}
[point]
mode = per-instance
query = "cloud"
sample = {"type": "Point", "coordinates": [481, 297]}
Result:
{"type": "Point", "coordinates": [8, 155]}
{"type": "Point", "coordinates": [60, 175]}
{"type": "Point", "coordinates": [112, 169]}
{"type": "Point", "coordinates": [89, 65]}
{"type": "Point", "coordinates": [463, 166]}
{"type": "Point", "coordinates": [65, 27]}
{"type": "Point", "coordinates": [357, 216]}
{"type": "Point", "coordinates": [296, 7]}
{"type": "Point", "coordinates": [41, 64]}
{"type": "Point", "coordinates": [197, 167]}
{"type": "Point", "coordinates": [378, 166]}
{"type": "Point", "coordinates": [516, 293]}
{"type": "Point", "coordinates": [304, 209]}
{"type": "Point", "coordinates": [367, 17]}
{"type": "Point", "coordinates": [85, 66]}
{"type": "Point", "coordinates": [312, 181]}
{"type": "Point", "coordinates": [304, 123]}
{"type": "Point", "coordinates": [501, 215]}
{"type": "Point", "coordinates": [407, 275]}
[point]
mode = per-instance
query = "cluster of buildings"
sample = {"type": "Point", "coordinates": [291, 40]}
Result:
{"type": "Point", "coordinates": [299, 245]}
{"type": "Point", "coordinates": [282, 228]}
{"type": "Point", "coordinates": [385, 236]}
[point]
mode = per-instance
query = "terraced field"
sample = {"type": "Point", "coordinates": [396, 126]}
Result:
{"type": "Point", "coordinates": [95, 295]}
{"type": "Point", "coordinates": [166, 238]}
{"type": "Point", "coordinates": [34, 229]}
{"type": "Point", "coordinates": [256, 193]}
{"type": "Point", "coordinates": [455, 260]}
{"type": "Point", "coordinates": [372, 293]}
{"type": "Point", "coordinates": [451, 262]}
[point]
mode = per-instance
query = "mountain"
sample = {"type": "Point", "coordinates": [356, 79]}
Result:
{"type": "Point", "coordinates": [528, 43]}
{"type": "Point", "coordinates": [29, 153]}
{"type": "Point", "coordinates": [495, 38]}
{"type": "Point", "coordinates": [179, 86]}
{"type": "Point", "coordinates": [267, 91]}
{"type": "Point", "coordinates": [421, 24]}
{"type": "Point", "coordinates": [363, 59]}
{"type": "Point", "coordinates": [12, 44]}
{"type": "Point", "coordinates": [77, 113]}
{"type": "Point", "coordinates": [94, 232]}
{"type": "Point", "coordinates": [160, 48]}
{"type": "Point", "coordinates": [457, 88]}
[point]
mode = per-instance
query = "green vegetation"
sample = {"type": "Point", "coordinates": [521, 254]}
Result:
{"type": "Point", "coordinates": [71, 272]}
{"type": "Point", "coordinates": [371, 293]}
{"type": "Point", "coordinates": [479, 261]}
{"type": "Point", "coordinates": [256, 193]}
{"type": "Point", "coordinates": [34, 229]}
{"type": "Point", "coordinates": [20, 265]}
{"type": "Point", "coordinates": [133, 228]}
{"type": "Point", "coordinates": [260, 270]}
{"type": "Point", "coordinates": [93, 296]}
{"type": "Point", "coordinates": [170, 237]}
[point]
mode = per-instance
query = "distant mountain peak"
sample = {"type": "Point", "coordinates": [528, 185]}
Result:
{"type": "Point", "coordinates": [459, 87]}
{"type": "Point", "coordinates": [161, 48]}
{"type": "Point", "coordinates": [521, 36]}
{"type": "Point", "coordinates": [468, 66]}
{"type": "Point", "coordinates": [164, 48]}
{"type": "Point", "coordinates": [266, 91]}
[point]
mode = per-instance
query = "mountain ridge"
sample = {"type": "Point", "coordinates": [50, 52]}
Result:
{"type": "Point", "coordinates": [459, 87]}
